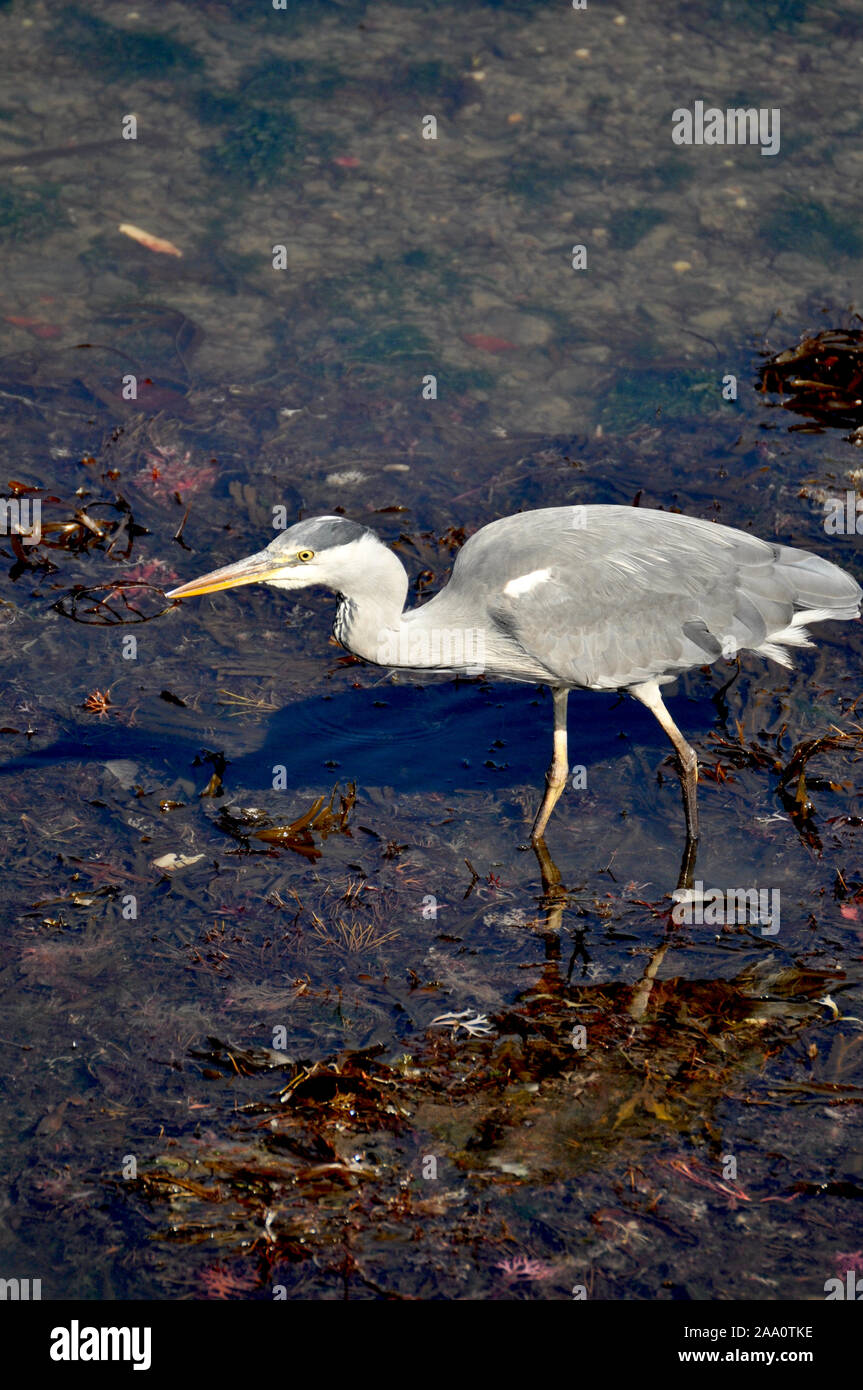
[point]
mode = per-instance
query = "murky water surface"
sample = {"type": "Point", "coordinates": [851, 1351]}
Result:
{"type": "Point", "coordinates": [224, 1065]}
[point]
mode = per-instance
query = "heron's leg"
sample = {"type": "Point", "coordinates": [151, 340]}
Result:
{"type": "Point", "coordinates": [649, 695]}
{"type": "Point", "coordinates": [555, 778]}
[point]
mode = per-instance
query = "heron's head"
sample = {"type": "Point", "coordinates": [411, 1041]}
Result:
{"type": "Point", "coordinates": [329, 550]}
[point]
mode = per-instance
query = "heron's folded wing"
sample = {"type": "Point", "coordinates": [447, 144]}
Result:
{"type": "Point", "coordinates": [622, 619]}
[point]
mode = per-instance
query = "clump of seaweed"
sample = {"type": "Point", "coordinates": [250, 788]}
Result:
{"type": "Point", "coordinates": [793, 786]}
{"type": "Point", "coordinates": [255, 149]}
{"type": "Point", "coordinates": [821, 378]}
{"type": "Point", "coordinates": [26, 213]}
{"type": "Point", "coordinates": [322, 818]}
{"type": "Point", "coordinates": [317, 1168]}
{"type": "Point", "coordinates": [122, 53]}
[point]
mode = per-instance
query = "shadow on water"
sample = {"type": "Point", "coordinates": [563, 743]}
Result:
{"type": "Point", "coordinates": [440, 738]}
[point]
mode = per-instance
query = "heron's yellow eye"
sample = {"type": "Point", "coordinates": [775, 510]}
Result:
{"type": "Point", "coordinates": [305, 556]}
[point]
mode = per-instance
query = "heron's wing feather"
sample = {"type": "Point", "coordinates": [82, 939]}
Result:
{"type": "Point", "coordinates": [633, 595]}
{"type": "Point", "coordinates": [607, 639]}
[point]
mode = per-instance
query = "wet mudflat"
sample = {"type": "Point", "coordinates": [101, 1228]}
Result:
{"type": "Point", "coordinates": [342, 1037]}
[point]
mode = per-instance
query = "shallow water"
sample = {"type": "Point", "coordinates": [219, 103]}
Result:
{"type": "Point", "coordinates": [226, 1076]}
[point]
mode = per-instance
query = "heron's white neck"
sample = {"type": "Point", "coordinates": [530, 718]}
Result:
{"type": "Point", "coordinates": [373, 590]}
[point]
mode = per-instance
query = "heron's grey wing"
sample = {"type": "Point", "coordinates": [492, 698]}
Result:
{"type": "Point", "coordinates": [632, 596]}
{"type": "Point", "coordinates": [617, 628]}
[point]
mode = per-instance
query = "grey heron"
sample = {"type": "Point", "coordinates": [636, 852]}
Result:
{"type": "Point", "coordinates": [594, 597]}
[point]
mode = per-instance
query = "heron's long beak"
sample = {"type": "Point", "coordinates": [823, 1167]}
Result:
{"type": "Point", "coordinates": [254, 569]}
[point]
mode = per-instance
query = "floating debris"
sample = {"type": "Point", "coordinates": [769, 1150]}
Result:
{"type": "Point", "coordinates": [822, 378]}
{"type": "Point", "coordinates": [152, 243]}
{"type": "Point", "coordinates": [320, 817]}
{"type": "Point", "coordinates": [121, 604]}
{"type": "Point", "coordinates": [352, 937]}
{"type": "Point", "coordinates": [98, 703]}
{"type": "Point", "coordinates": [522, 1267]}
{"type": "Point", "coordinates": [793, 785]}
{"type": "Point", "coordinates": [474, 1024]}
{"type": "Point", "coordinates": [487, 342]}
{"type": "Point", "coordinates": [125, 771]}
{"type": "Point", "coordinates": [172, 861]}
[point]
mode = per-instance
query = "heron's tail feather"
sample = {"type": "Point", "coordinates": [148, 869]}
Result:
{"type": "Point", "coordinates": [777, 601]}
{"type": "Point", "coordinates": [814, 590]}
{"type": "Point", "coordinates": [819, 589]}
